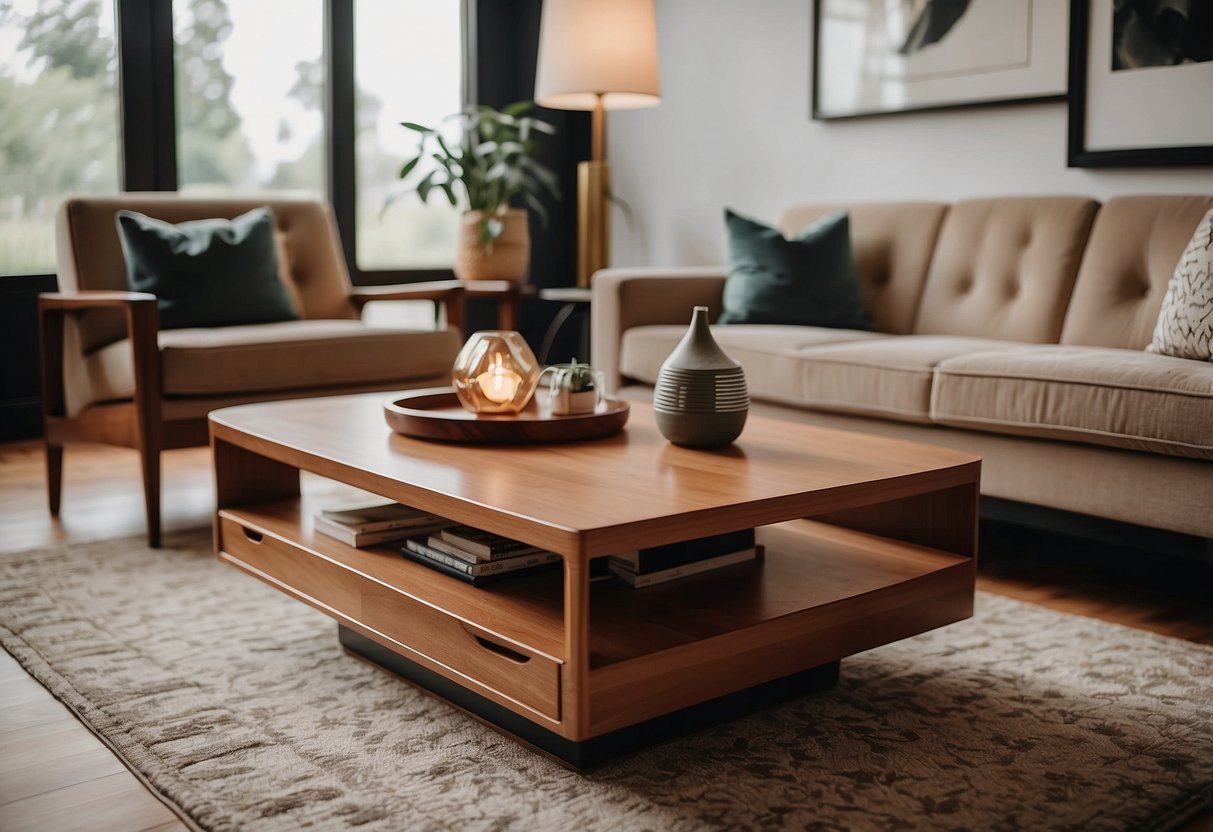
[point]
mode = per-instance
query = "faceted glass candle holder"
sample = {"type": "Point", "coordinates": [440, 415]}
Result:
{"type": "Point", "coordinates": [495, 372]}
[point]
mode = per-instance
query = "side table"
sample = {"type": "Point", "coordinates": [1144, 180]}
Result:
{"type": "Point", "coordinates": [506, 293]}
{"type": "Point", "coordinates": [575, 299]}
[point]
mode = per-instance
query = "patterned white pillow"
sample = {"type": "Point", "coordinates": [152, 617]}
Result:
{"type": "Point", "coordinates": [1185, 323]}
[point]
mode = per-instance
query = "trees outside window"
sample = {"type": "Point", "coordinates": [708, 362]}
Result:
{"type": "Point", "coordinates": [58, 120]}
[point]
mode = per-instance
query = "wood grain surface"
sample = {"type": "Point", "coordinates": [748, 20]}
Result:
{"type": "Point", "coordinates": [603, 496]}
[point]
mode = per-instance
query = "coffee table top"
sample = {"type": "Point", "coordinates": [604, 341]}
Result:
{"type": "Point", "coordinates": [601, 496]}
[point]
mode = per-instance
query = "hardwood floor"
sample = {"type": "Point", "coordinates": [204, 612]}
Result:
{"type": "Point", "coordinates": [54, 774]}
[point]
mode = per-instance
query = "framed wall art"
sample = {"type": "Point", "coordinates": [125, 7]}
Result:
{"type": "Point", "coordinates": [1141, 83]}
{"type": "Point", "coordinates": [872, 57]}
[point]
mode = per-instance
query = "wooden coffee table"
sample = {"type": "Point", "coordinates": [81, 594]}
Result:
{"type": "Point", "coordinates": [585, 670]}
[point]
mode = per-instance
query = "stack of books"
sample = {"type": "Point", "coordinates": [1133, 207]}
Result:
{"type": "Point", "coordinates": [658, 564]}
{"type": "Point", "coordinates": [476, 556]}
{"type": "Point", "coordinates": [366, 525]}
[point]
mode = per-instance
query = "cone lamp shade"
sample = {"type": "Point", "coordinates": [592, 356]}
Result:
{"type": "Point", "coordinates": [596, 55]}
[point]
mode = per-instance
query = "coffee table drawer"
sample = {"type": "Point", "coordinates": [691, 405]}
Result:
{"type": "Point", "coordinates": [463, 652]}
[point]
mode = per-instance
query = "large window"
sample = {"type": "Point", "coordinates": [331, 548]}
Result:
{"type": "Point", "coordinates": [408, 66]}
{"type": "Point", "coordinates": [58, 120]}
{"type": "Point", "coordinates": [250, 79]}
{"type": "Point", "coordinates": [263, 97]}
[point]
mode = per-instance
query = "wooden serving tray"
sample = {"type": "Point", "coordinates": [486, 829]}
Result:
{"type": "Point", "coordinates": [437, 414]}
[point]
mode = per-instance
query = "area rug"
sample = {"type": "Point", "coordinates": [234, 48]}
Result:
{"type": "Point", "coordinates": [237, 705]}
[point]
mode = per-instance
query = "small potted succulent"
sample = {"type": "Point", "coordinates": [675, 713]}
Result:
{"type": "Point", "coordinates": [575, 388]}
{"type": "Point", "coordinates": [491, 167]}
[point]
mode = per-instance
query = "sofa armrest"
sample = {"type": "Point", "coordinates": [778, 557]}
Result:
{"type": "Point", "coordinates": [450, 293]}
{"type": "Point", "coordinates": [142, 328]}
{"type": "Point", "coordinates": [625, 298]}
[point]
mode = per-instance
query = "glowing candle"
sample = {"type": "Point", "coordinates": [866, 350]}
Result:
{"type": "Point", "coordinates": [498, 383]}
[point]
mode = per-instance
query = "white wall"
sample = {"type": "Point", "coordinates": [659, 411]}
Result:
{"type": "Point", "coordinates": [734, 129]}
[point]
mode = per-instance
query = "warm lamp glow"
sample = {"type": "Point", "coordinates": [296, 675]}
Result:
{"type": "Point", "coordinates": [499, 383]}
{"type": "Point", "coordinates": [598, 52]}
{"type": "Point", "coordinates": [495, 372]}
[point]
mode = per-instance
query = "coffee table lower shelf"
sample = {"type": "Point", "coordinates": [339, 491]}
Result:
{"type": "Point", "coordinates": [594, 751]}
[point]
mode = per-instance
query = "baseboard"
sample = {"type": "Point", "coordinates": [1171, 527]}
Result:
{"type": "Point", "coordinates": [1096, 529]}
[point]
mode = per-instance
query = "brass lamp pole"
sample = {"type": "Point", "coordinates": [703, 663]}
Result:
{"type": "Point", "coordinates": [593, 202]}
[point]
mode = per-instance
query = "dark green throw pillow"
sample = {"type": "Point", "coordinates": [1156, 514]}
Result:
{"type": "Point", "coordinates": [808, 280]}
{"type": "Point", "coordinates": [211, 272]}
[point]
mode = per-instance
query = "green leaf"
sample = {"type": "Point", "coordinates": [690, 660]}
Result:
{"type": "Point", "coordinates": [408, 166]}
{"type": "Point", "coordinates": [417, 127]}
{"type": "Point", "coordinates": [424, 186]}
{"type": "Point", "coordinates": [535, 205]}
{"type": "Point", "coordinates": [450, 192]}
{"type": "Point", "coordinates": [442, 144]}
{"type": "Point", "coordinates": [490, 230]}
{"type": "Point", "coordinates": [518, 108]}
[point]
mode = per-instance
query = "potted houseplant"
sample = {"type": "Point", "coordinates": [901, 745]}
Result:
{"type": "Point", "coordinates": [490, 167]}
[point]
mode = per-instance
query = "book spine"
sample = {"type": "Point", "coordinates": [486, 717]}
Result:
{"type": "Point", "coordinates": [670, 556]}
{"type": "Point", "coordinates": [402, 523]}
{"type": "Point", "coordinates": [480, 569]}
{"type": "Point", "coordinates": [436, 566]}
{"type": "Point", "coordinates": [486, 546]}
{"type": "Point", "coordinates": [371, 538]}
{"type": "Point", "coordinates": [422, 549]}
{"type": "Point", "coordinates": [335, 531]}
{"type": "Point", "coordinates": [695, 568]}
{"type": "Point", "coordinates": [435, 541]}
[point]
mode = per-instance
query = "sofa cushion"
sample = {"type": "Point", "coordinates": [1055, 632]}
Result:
{"type": "Point", "coordinates": [208, 272]}
{"type": "Point", "coordinates": [1104, 396]}
{"type": "Point", "coordinates": [1185, 322]}
{"type": "Point", "coordinates": [279, 356]}
{"type": "Point", "coordinates": [769, 354]}
{"type": "Point", "coordinates": [1004, 268]}
{"type": "Point", "coordinates": [892, 244]}
{"type": "Point", "coordinates": [807, 280]}
{"type": "Point", "coordinates": [1130, 258]}
{"type": "Point", "coordinates": [888, 378]}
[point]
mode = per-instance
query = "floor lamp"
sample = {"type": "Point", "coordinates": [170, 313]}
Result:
{"type": "Point", "coordinates": [596, 55]}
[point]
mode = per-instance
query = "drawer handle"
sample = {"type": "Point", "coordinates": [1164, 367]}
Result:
{"type": "Point", "coordinates": [501, 650]}
{"type": "Point", "coordinates": [256, 537]}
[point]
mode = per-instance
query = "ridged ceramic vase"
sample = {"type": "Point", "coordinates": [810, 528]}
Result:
{"type": "Point", "coordinates": [701, 399]}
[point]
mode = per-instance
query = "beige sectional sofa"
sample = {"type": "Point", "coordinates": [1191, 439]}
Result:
{"type": "Point", "coordinates": [1012, 327]}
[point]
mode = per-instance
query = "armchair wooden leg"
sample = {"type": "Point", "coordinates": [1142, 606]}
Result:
{"type": "Point", "coordinates": [54, 476]}
{"type": "Point", "coordinates": [150, 459]}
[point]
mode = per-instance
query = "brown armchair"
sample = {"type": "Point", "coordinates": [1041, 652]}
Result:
{"type": "Point", "coordinates": [109, 374]}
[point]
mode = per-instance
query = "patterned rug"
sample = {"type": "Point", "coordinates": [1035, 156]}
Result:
{"type": "Point", "coordinates": [238, 706]}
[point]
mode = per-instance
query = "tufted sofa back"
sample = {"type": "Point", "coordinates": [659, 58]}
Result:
{"type": "Point", "coordinates": [310, 259]}
{"type": "Point", "coordinates": [1004, 268]}
{"type": "Point", "coordinates": [893, 242]}
{"type": "Point", "coordinates": [1134, 246]}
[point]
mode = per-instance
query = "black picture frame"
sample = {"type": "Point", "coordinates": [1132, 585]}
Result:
{"type": "Point", "coordinates": [818, 114]}
{"type": "Point", "coordinates": [1077, 153]}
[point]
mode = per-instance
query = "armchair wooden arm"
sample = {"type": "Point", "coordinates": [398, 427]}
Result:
{"type": "Point", "coordinates": [91, 299]}
{"type": "Point", "coordinates": [450, 293]}
{"type": "Point", "coordinates": [142, 328]}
